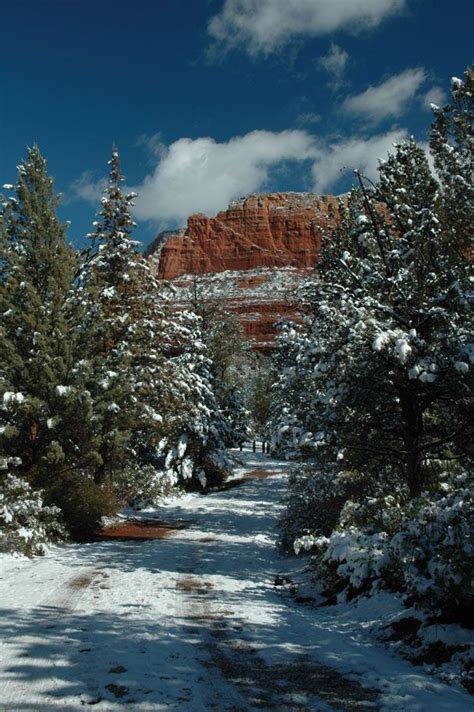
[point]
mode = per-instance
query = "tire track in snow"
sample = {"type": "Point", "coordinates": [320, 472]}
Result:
{"type": "Point", "coordinates": [67, 596]}
{"type": "Point", "coordinates": [53, 612]}
{"type": "Point", "coordinates": [301, 685]}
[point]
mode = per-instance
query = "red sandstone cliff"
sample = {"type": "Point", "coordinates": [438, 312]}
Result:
{"type": "Point", "coordinates": [272, 230]}
{"type": "Point", "coordinates": [278, 231]}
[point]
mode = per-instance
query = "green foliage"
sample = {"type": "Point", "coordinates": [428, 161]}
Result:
{"type": "Point", "coordinates": [381, 373]}
{"type": "Point", "coordinates": [124, 341]}
{"type": "Point", "coordinates": [106, 395]}
{"type": "Point", "coordinates": [259, 394]}
{"type": "Point", "coordinates": [423, 548]}
{"type": "Point", "coordinates": [44, 411]}
{"type": "Point", "coordinates": [222, 335]}
{"type": "Point", "coordinates": [82, 503]}
{"type": "Point", "coordinates": [27, 524]}
{"type": "Point", "coordinates": [314, 501]}
{"type": "Point", "coordinates": [378, 380]}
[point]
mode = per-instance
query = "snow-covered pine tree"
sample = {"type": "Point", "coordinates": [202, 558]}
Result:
{"type": "Point", "coordinates": [42, 409]}
{"type": "Point", "coordinates": [452, 148]}
{"type": "Point", "coordinates": [293, 421]}
{"type": "Point", "coordinates": [388, 351]}
{"type": "Point", "coordinates": [125, 339]}
{"type": "Point", "coordinates": [222, 335]}
{"type": "Point", "coordinates": [197, 457]}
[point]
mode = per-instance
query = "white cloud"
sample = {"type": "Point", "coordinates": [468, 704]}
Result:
{"type": "Point", "coordinates": [87, 188]}
{"type": "Point", "coordinates": [202, 175]}
{"type": "Point", "coordinates": [262, 26]}
{"type": "Point", "coordinates": [344, 156]}
{"type": "Point", "coordinates": [435, 95]}
{"type": "Point", "coordinates": [308, 117]}
{"type": "Point", "coordinates": [387, 99]}
{"type": "Point", "coordinates": [334, 63]}
{"type": "Point", "coordinates": [154, 144]}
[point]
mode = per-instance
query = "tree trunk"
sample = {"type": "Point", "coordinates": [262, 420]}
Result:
{"type": "Point", "coordinates": [414, 470]}
{"type": "Point", "coordinates": [414, 454]}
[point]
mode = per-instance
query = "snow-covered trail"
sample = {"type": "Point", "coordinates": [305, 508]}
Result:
{"type": "Point", "coordinates": [193, 622]}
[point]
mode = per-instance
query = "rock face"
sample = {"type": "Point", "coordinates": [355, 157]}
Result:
{"type": "Point", "coordinates": [264, 244]}
{"type": "Point", "coordinates": [272, 230]}
{"type": "Point", "coordinates": [260, 298]}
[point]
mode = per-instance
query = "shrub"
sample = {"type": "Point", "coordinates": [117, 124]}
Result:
{"type": "Point", "coordinates": [435, 549]}
{"type": "Point", "coordinates": [27, 525]}
{"type": "Point", "coordinates": [83, 503]}
{"type": "Point", "coordinates": [314, 501]}
{"type": "Point", "coordinates": [423, 548]}
{"type": "Point", "coordinates": [352, 560]}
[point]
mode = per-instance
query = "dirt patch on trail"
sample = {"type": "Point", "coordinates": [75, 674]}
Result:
{"type": "Point", "coordinates": [296, 683]}
{"type": "Point", "coordinates": [141, 530]}
{"type": "Point", "coordinates": [259, 475]}
{"type": "Point", "coordinates": [191, 584]}
{"type": "Point", "coordinates": [248, 477]}
{"type": "Point", "coordinates": [82, 581]}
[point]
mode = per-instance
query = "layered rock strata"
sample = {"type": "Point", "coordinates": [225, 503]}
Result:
{"type": "Point", "coordinates": [254, 241]}
{"type": "Point", "coordinates": [272, 230]}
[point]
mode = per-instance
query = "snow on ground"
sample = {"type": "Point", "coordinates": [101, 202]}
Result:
{"type": "Point", "coordinates": [195, 622]}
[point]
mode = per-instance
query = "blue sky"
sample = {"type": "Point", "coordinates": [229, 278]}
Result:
{"type": "Point", "coordinates": [208, 100]}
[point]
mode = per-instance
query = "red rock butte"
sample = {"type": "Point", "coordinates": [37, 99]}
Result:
{"type": "Point", "coordinates": [272, 231]}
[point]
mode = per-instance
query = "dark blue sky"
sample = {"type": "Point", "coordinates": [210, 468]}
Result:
{"type": "Point", "coordinates": [79, 75]}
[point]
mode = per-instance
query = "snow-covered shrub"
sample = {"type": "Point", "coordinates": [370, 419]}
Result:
{"type": "Point", "coordinates": [314, 500]}
{"type": "Point", "coordinates": [357, 555]}
{"type": "Point", "coordinates": [423, 548]}
{"type": "Point", "coordinates": [435, 550]}
{"type": "Point", "coordinates": [26, 524]}
{"type": "Point", "coordinates": [352, 560]}
{"type": "Point", "coordinates": [382, 513]}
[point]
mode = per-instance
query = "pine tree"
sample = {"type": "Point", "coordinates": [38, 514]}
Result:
{"type": "Point", "coordinates": [386, 359]}
{"type": "Point", "coordinates": [451, 144]}
{"type": "Point", "coordinates": [41, 408]}
{"type": "Point", "coordinates": [124, 338]}
{"type": "Point", "coordinates": [222, 334]}
{"type": "Point", "coordinates": [199, 458]}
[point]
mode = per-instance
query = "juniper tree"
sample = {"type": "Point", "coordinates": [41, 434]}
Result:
{"type": "Point", "coordinates": [42, 407]}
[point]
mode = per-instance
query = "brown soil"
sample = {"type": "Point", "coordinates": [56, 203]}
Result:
{"type": "Point", "coordinates": [141, 530]}
{"type": "Point", "coordinates": [252, 475]}
{"type": "Point", "coordinates": [193, 584]}
{"type": "Point", "coordinates": [259, 475]}
{"type": "Point", "coordinates": [81, 581]}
